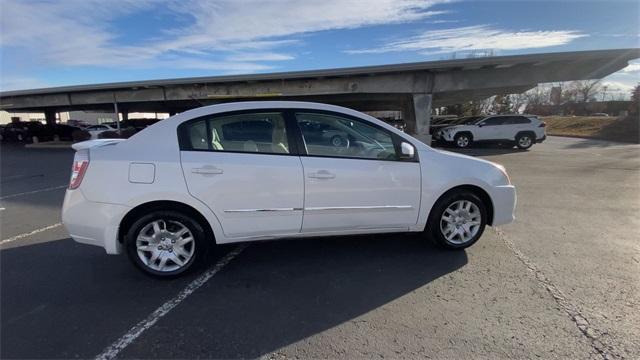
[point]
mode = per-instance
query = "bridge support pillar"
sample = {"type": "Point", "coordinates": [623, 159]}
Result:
{"type": "Point", "coordinates": [417, 115]}
{"type": "Point", "coordinates": [50, 117]}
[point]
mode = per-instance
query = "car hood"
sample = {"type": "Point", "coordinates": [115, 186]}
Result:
{"type": "Point", "coordinates": [452, 127]}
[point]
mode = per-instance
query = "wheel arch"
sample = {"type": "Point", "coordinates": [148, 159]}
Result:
{"type": "Point", "coordinates": [147, 207]}
{"type": "Point", "coordinates": [466, 132]}
{"type": "Point", "coordinates": [477, 190]}
{"type": "Point", "coordinates": [522, 132]}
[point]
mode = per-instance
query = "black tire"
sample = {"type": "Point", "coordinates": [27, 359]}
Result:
{"type": "Point", "coordinates": [434, 230]}
{"type": "Point", "coordinates": [201, 244]}
{"type": "Point", "coordinates": [462, 140]}
{"type": "Point", "coordinates": [524, 141]}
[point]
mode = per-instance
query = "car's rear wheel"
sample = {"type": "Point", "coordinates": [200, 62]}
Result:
{"type": "Point", "coordinates": [462, 140]}
{"type": "Point", "coordinates": [524, 141]}
{"type": "Point", "coordinates": [166, 243]}
{"type": "Point", "coordinates": [457, 220]}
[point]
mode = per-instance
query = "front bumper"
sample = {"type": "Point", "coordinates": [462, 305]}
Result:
{"type": "Point", "coordinates": [504, 204]}
{"type": "Point", "coordinates": [92, 223]}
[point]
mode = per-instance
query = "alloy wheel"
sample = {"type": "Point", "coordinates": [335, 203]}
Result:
{"type": "Point", "coordinates": [460, 222]}
{"type": "Point", "coordinates": [462, 141]}
{"type": "Point", "coordinates": [524, 141]}
{"type": "Point", "coordinates": [165, 245]}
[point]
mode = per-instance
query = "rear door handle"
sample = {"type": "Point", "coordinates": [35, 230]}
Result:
{"type": "Point", "coordinates": [207, 170]}
{"type": "Point", "coordinates": [322, 174]}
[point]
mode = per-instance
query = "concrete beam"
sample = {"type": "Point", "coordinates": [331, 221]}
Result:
{"type": "Point", "coordinates": [522, 75]}
{"type": "Point", "coordinates": [396, 83]}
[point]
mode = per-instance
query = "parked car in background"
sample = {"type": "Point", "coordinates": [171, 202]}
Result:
{"type": "Point", "coordinates": [95, 130]}
{"type": "Point", "coordinates": [25, 131]}
{"type": "Point", "coordinates": [520, 130]}
{"type": "Point", "coordinates": [261, 170]}
{"type": "Point", "coordinates": [34, 132]}
{"type": "Point", "coordinates": [63, 132]}
{"type": "Point", "coordinates": [441, 124]}
{"type": "Point", "coordinates": [77, 123]}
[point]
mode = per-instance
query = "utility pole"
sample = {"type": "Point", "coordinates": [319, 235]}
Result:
{"type": "Point", "coordinates": [115, 109]}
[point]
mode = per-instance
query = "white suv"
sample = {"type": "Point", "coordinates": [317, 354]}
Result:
{"type": "Point", "coordinates": [262, 170]}
{"type": "Point", "coordinates": [521, 130]}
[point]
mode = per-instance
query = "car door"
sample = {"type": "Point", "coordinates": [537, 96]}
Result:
{"type": "Point", "coordinates": [361, 183]}
{"type": "Point", "coordinates": [489, 129]}
{"type": "Point", "coordinates": [516, 125]}
{"type": "Point", "coordinates": [242, 166]}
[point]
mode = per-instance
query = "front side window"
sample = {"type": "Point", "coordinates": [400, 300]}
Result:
{"type": "Point", "coordinates": [246, 132]}
{"type": "Point", "coordinates": [334, 135]}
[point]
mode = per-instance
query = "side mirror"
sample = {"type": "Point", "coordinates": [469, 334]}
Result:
{"type": "Point", "coordinates": [407, 151]}
{"type": "Point", "coordinates": [481, 125]}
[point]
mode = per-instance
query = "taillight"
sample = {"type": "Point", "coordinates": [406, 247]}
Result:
{"type": "Point", "coordinates": [79, 167]}
{"type": "Point", "coordinates": [542, 124]}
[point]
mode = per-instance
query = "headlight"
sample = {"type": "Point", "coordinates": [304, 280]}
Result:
{"type": "Point", "coordinates": [504, 171]}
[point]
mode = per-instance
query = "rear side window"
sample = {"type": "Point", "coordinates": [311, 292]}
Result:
{"type": "Point", "coordinates": [521, 120]}
{"type": "Point", "coordinates": [260, 132]}
{"type": "Point", "coordinates": [494, 121]}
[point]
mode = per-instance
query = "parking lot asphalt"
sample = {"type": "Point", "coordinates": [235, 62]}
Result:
{"type": "Point", "coordinates": [562, 281]}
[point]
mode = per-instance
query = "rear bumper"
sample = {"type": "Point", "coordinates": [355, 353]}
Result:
{"type": "Point", "coordinates": [92, 223]}
{"type": "Point", "coordinates": [543, 138]}
{"type": "Point", "coordinates": [504, 204]}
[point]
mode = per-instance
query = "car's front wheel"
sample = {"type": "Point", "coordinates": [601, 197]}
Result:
{"type": "Point", "coordinates": [457, 220]}
{"type": "Point", "coordinates": [462, 140]}
{"type": "Point", "coordinates": [166, 243]}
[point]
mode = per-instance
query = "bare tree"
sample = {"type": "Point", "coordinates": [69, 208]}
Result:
{"type": "Point", "coordinates": [584, 90]}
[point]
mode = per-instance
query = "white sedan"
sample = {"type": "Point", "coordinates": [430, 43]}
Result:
{"type": "Point", "coordinates": [96, 130]}
{"type": "Point", "coordinates": [248, 171]}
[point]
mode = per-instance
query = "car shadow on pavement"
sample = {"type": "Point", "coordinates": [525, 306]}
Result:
{"type": "Point", "coordinates": [482, 150]}
{"type": "Point", "coordinates": [277, 293]}
{"type": "Point", "coordinates": [61, 299]}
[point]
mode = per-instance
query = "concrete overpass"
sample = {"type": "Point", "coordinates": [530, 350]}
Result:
{"type": "Point", "coordinates": [412, 88]}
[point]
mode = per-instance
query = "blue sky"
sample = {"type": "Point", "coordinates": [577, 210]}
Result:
{"type": "Point", "coordinates": [51, 43]}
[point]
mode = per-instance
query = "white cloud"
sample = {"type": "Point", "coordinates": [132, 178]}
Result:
{"type": "Point", "coordinates": [477, 37]}
{"type": "Point", "coordinates": [15, 83]}
{"type": "Point", "coordinates": [632, 68]}
{"type": "Point", "coordinates": [223, 35]}
{"type": "Point", "coordinates": [263, 56]}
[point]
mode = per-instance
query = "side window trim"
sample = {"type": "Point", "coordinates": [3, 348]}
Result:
{"type": "Point", "coordinates": [185, 145]}
{"type": "Point", "coordinates": [302, 150]}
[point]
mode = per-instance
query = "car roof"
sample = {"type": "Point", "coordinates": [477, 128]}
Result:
{"type": "Point", "coordinates": [167, 126]}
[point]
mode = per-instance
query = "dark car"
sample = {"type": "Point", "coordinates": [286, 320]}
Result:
{"type": "Point", "coordinates": [64, 132]}
{"type": "Point", "coordinates": [32, 131]}
{"type": "Point", "coordinates": [23, 131]}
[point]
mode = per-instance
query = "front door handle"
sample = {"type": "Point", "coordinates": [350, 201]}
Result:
{"type": "Point", "coordinates": [207, 170]}
{"type": "Point", "coordinates": [322, 174]}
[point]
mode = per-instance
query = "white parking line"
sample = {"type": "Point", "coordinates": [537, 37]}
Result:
{"type": "Point", "coordinates": [114, 349]}
{"type": "Point", "coordinates": [22, 236]}
{"type": "Point", "coordinates": [33, 192]}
